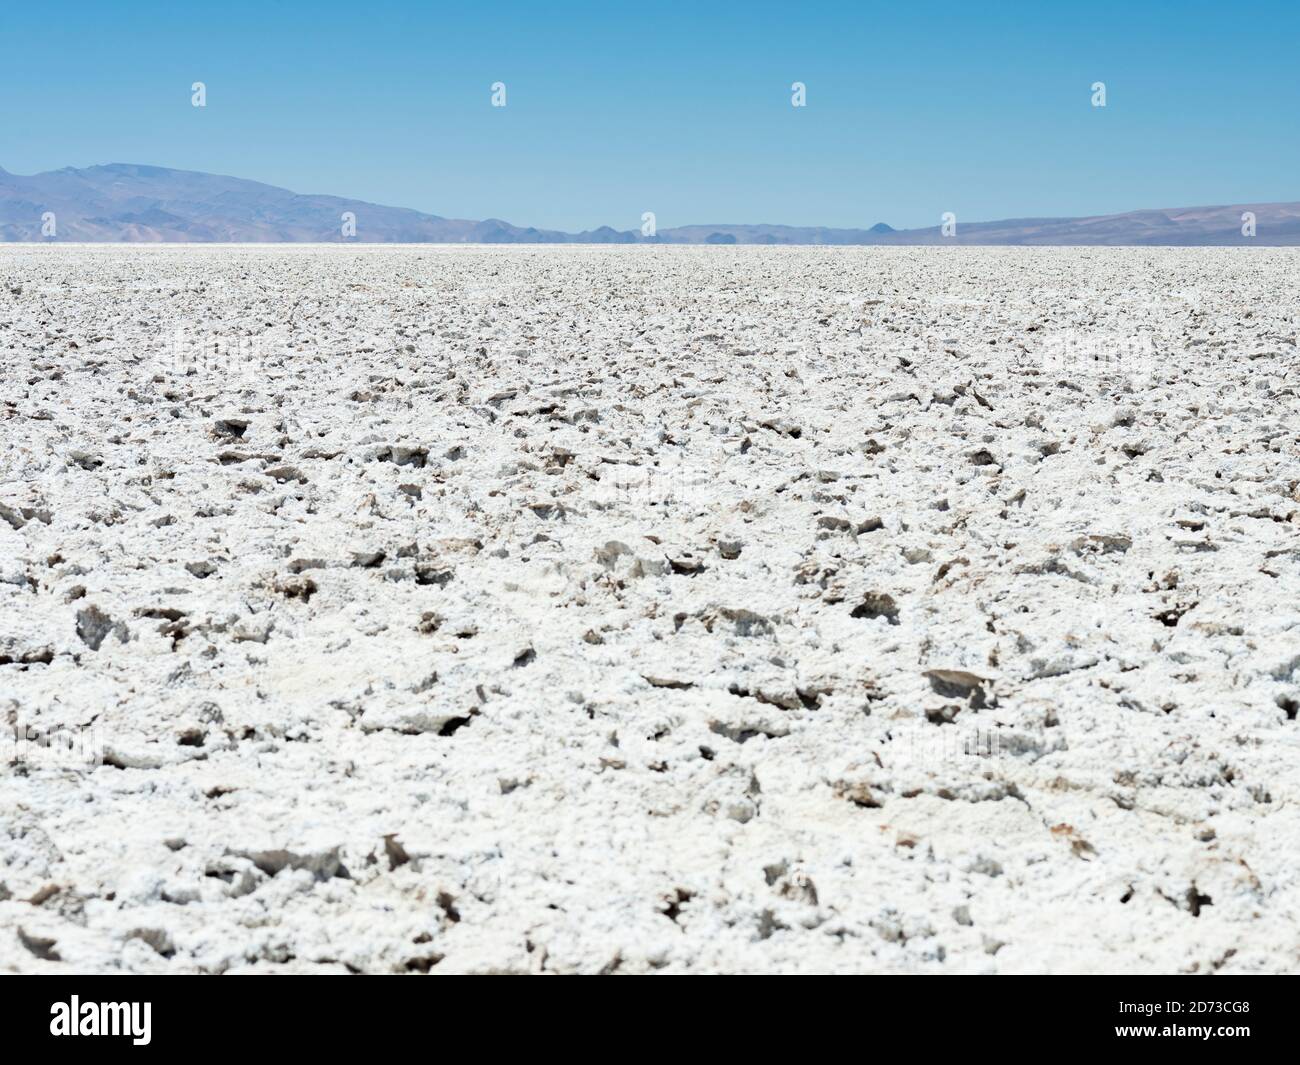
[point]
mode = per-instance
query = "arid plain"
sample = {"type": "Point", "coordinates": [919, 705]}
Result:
{"type": "Point", "coordinates": [435, 609]}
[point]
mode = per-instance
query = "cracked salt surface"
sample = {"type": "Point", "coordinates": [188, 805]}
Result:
{"type": "Point", "coordinates": [627, 609]}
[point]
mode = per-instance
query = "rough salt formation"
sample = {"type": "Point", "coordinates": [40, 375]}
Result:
{"type": "Point", "coordinates": [614, 610]}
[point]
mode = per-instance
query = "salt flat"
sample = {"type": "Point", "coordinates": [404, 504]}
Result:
{"type": "Point", "coordinates": [625, 609]}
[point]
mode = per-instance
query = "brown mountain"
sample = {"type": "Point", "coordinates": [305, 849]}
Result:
{"type": "Point", "coordinates": [134, 203]}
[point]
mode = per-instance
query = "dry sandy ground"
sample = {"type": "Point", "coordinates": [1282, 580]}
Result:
{"type": "Point", "coordinates": [617, 610]}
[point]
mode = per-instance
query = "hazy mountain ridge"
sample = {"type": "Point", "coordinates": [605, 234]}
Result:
{"type": "Point", "coordinates": [127, 202]}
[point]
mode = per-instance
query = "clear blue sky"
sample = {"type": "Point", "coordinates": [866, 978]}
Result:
{"type": "Point", "coordinates": [683, 109]}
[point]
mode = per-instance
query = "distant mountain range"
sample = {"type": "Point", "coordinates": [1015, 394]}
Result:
{"type": "Point", "coordinates": [154, 204]}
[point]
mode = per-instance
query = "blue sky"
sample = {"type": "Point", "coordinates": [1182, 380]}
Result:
{"type": "Point", "coordinates": [682, 109]}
